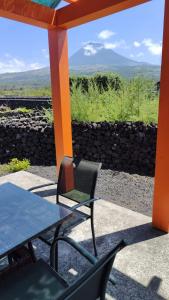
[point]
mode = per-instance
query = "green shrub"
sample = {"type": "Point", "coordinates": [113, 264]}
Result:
{"type": "Point", "coordinates": [135, 100]}
{"type": "Point", "coordinates": [24, 110]}
{"type": "Point", "coordinates": [4, 109]}
{"type": "Point", "coordinates": [100, 80]}
{"type": "Point", "coordinates": [16, 165]}
{"type": "Point", "coordinates": [3, 169]}
{"type": "Point", "coordinates": [48, 114]}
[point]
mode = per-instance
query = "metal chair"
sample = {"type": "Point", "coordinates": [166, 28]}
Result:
{"type": "Point", "coordinates": [40, 282]}
{"type": "Point", "coordinates": [76, 182]}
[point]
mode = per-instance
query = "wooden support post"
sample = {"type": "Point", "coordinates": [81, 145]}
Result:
{"type": "Point", "coordinates": [58, 49]}
{"type": "Point", "coordinates": [161, 193]}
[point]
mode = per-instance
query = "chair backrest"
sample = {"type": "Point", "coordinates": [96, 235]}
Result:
{"type": "Point", "coordinates": [81, 176]}
{"type": "Point", "coordinates": [93, 284]}
{"type": "Point", "coordinates": [66, 176]}
{"type": "Point", "coordinates": [85, 174]}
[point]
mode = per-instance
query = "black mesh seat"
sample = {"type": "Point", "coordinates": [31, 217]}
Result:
{"type": "Point", "coordinates": [40, 282]}
{"type": "Point", "coordinates": [77, 196]}
{"type": "Point", "coordinates": [37, 281]}
{"type": "Point", "coordinates": [77, 182]}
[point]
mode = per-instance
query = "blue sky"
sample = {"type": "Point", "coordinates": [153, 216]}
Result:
{"type": "Point", "coordinates": [135, 33]}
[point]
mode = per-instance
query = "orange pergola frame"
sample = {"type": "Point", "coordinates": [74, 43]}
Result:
{"type": "Point", "coordinates": [57, 22]}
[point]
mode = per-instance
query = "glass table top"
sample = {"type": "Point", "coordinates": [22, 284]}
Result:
{"type": "Point", "coordinates": [24, 216]}
{"type": "Point", "coordinates": [50, 3]}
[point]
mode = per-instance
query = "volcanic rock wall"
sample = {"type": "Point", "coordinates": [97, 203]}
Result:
{"type": "Point", "coordinates": [123, 146]}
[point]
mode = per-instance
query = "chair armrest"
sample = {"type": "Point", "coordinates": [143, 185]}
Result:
{"type": "Point", "coordinates": [73, 208]}
{"type": "Point", "coordinates": [41, 186]}
{"type": "Point", "coordinates": [93, 260]}
{"type": "Point", "coordinates": [112, 280]}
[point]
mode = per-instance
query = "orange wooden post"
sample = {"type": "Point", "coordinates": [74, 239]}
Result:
{"type": "Point", "coordinates": [161, 193]}
{"type": "Point", "coordinates": [58, 49]}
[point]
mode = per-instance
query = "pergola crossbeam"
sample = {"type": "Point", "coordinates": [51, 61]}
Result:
{"type": "Point", "coordinates": [69, 16]}
{"type": "Point", "coordinates": [81, 12]}
{"type": "Point", "coordinates": [71, 1]}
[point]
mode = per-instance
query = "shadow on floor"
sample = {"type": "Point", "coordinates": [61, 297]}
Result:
{"type": "Point", "coordinates": [46, 193]}
{"type": "Point", "coordinates": [72, 266]}
{"type": "Point", "coordinates": [132, 235]}
{"type": "Point", "coordinates": [128, 289]}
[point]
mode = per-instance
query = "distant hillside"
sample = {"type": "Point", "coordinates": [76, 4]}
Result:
{"type": "Point", "coordinates": [90, 59]}
{"type": "Point", "coordinates": [149, 71]}
{"type": "Point", "coordinates": [95, 54]}
{"type": "Point", "coordinates": [35, 78]}
{"type": "Point", "coordinates": [94, 57]}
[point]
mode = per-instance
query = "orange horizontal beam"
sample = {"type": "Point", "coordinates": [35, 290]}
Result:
{"type": "Point", "coordinates": [27, 12]}
{"type": "Point", "coordinates": [71, 1]}
{"type": "Point", "coordinates": [85, 11]}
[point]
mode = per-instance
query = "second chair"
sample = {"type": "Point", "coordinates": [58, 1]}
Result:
{"type": "Point", "coordinates": [77, 182]}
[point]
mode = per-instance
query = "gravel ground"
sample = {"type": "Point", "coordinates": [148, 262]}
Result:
{"type": "Point", "coordinates": [131, 191]}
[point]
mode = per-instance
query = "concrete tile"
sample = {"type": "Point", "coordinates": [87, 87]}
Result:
{"type": "Point", "coordinates": [23, 179]}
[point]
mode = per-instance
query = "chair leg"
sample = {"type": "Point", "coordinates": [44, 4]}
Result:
{"type": "Point", "coordinates": [93, 231]}
{"type": "Point", "coordinates": [57, 198]}
{"type": "Point", "coordinates": [32, 253]}
{"type": "Point", "coordinates": [10, 260]}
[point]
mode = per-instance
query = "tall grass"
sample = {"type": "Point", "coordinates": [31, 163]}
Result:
{"type": "Point", "coordinates": [136, 100]}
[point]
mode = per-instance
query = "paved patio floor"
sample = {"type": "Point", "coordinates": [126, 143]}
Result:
{"type": "Point", "coordinates": [141, 269]}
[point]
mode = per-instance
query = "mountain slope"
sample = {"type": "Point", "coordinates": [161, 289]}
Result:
{"type": "Point", "coordinates": [35, 78]}
{"type": "Point", "coordinates": [94, 57]}
{"type": "Point", "coordinates": [90, 59]}
{"type": "Point", "coordinates": [97, 54]}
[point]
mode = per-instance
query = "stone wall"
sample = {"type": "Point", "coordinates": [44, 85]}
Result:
{"type": "Point", "coordinates": [28, 102]}
{"type": "Point", "coordinates": [124, 146]}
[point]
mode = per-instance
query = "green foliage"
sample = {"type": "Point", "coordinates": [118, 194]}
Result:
{"type": "Point", "coordinates": [135, 100]}
{"type": "Point", "coordinates": [3, 169]}
{"type": "Point", "coordinates": [106, 97]}
{"type": "Point", "coordinates": [24, 110]}
{"type": "Point", "coordinates": [47, 112]}
{"type": "Point", "coordinates": [102, 81]}
{"type": "Point", "coordinates": [16, 165]}
{"type": "Point", "coordinates": [4, 109]}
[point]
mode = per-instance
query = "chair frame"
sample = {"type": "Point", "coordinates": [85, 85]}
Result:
{"type": "Point", "coordinates": [88, 203]}
{"type": "Point", "coordinates": [92, 259]}
{"type": "Point", "coordinates": [91, 276]}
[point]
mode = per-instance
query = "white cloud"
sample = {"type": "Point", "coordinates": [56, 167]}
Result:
{"type": "Point", "coordinates": [92, 48]}
{"type": "Point", "coordinates": [115, 45]}
{"type": "Point", "coordinates": [45, 53]}
{"type": "Point", "coordinates": [12, 64]}
{"type": "Point", "coordinates": [110, 46]}
{"type": "Point", "coordinates": [89, 50]}
{"type": "Point", "coordinates": [153, 48]}
{"type": "Point", "coordinates": [137, 44]}
{"type": "Point", "coordinates": [105, 34]}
